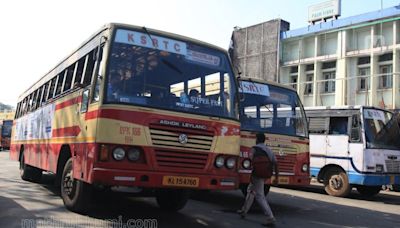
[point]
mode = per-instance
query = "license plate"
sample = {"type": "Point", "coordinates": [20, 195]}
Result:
{"type": "Point", "coordinates": [180, 181]}
{"type": "Point", "coordinates": [281, 180]}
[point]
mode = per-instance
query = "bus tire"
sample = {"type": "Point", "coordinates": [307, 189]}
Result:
{"type": "Point", "coordinates": [369, 191]}
{"type": "Point", "coordinates": [172, 199]}
{"type": "Point", "coordinates": [243, 188]}
{"type": "Point", "coordinates": [76, 194]}
{"type": "Point", "coordinates": [336, 183]}
{"type": "Point", "coordinates": [27, 172]}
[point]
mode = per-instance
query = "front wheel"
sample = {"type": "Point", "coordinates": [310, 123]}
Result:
{"type": "Point", "coordinates": [369, 190]}
{"type": "Point", "coordinates": [336, 183]}
{"type": "Point", "coordinates": [172, 199]}
{"type": "Point", "coordinates": [76, 194]}
{"type": "Point", "coordinates": [27, 172]}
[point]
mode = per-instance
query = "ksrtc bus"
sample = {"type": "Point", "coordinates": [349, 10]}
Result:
{"type": "Point", "coordinates": [5, 129]}
{"type": "Point", "coordinates": [277, 111]}
{"type": "Point", "coordinates": [354, 147]}
{"type": "Point", "coordinates": [132, 107]}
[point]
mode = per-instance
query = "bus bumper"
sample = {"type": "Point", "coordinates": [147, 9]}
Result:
{"type": "Point", "coordinates": [373, 180]}
{"type": "Point", "coordinates": [244, 178]}
{"type": "Point", "coordinates": [151, 179]}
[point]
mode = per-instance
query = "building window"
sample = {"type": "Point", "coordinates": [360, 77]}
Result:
{"type": "Point", "coordinates": [363, 80]}
{"type": "Point", "coordinates": [329, 81]}
{"type": "Point", "coordinates": [385, 77]}
{"type": "Point", "coordinates": [293, 81]}
{"type": "Point", "coordinates": [309, 84]}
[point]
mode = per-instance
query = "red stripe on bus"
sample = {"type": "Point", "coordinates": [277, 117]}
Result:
{"type": "Point", "coordinates": [69, 102]}
{"type": "Point", "coordinates": [92, 115]}
{"type": "Point", "coordinates": [300, 142]}
{"type": "Point", "coordinates": [66, 131]}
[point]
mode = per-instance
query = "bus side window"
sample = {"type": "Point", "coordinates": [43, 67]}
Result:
{"type": "Point", "coordinates": [338, 125]}
{"type": "Point", "coordinates": [355, 129]}
{"type": "Point", "coordinates": [85, 101]}
{"type": "Point", "coordinates": [317, 125]}
{"type": "Point", "coordinates": [97, 71]}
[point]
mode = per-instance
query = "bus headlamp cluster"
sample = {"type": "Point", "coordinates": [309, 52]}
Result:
{"type": "Point", "coordinates": [246, 163]}
{"type": "Point", "coordinates": [118, 153]}
{"type": "Point", "coordinates": [304, 168]}
{"type": "Point", "coordinates": [133, 154]}
{"type": "Point", "coordinates": [229, 163]}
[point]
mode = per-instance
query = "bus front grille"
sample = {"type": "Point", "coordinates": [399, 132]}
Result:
{"type": "Point", "coordinates": [286, 158]}
{"type": "Point", "coordinates": [166, 137]}
{"type": "Point", "coordinates": [392, 166]}
{"type": "Point", "coordinates": [286, 163]}
{"type": "Point", "coordinates": [181, 159]}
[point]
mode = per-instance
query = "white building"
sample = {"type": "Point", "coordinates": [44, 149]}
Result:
{"type": "Point", "coordinates": [349, 61]}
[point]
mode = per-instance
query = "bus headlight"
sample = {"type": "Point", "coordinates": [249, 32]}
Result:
{"type": "Point", "coordinates": [134, 154]}
{"type": "Point", "coordinates": [118, 153]}
{"type": "Point", "coordinates": [246, 164]}
{"type": "Point", "coordinates": [304, 168]}
{"type": "Point", "coordinates": [230, 163]}
{"type": "Point", "coordinates": [379, 168]}
{"type": "Point", "coordinates": [219, 161]}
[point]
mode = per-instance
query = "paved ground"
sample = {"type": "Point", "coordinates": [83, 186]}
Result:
{"type": "Point", "coordinates": [25, 203]}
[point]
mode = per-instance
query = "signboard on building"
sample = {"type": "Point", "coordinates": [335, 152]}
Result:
{"type": "Point", "coordinates": [324, 10]}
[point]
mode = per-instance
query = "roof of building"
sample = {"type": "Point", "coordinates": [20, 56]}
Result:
{"type": "Point", "coordinates": [344, 22]}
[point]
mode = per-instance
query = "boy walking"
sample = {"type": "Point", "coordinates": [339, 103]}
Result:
{"type": "Point", "coordinates": [256, 186]}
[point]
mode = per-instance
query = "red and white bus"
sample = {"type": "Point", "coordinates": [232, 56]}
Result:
{"type": "Point", "coordinates": [132, 107]}
{"type": "Point", "coordinates": [5, 131]}
{"type": "Point", "coordinates": [277, 111]}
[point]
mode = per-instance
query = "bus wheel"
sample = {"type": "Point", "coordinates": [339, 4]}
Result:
{"type": "Point", "coordinates": [75, 193]}
{"type": "Point", "coordinates": [29, 173]}
{"type": "Point", "coordinates": [172, 199]}
{"type": "Point", "coordinates": [369, 190]}
{"type": "Point", "coordinates": [336, 183]}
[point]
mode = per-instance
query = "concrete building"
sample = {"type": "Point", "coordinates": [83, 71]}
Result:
{"type": "Point", "coordinates": [349, 61]}
{"type": "Point", "coordinates": [255, 49]}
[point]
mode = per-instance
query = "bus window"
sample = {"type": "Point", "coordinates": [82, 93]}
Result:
{"type": "Point", "coordinates": [59, 83]}
{"type": "Point", "coordinates": [51, 89]}
{"type": "Point", "coordinates": [68, 78]}
{"type": "Point", "coordinates": [355, 129]}
{"type": "Point", "coordinates": [338, 125]}
{"type": "Point", "coordinates": [97, 75]}
{"type": "Point", "coordinates": [90, 60]}
{"type": "Point", "coordinates": [79, 71]}
{"type": "Point", "coordinates": [45, 93]}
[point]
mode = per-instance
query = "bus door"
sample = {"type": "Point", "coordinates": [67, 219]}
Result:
{"type": "Point", "coordinates": [356, 145]}
{"type": "Point", "coordinates": [337, 142]}
{"type": "Point", "coordinates": [318, 128]}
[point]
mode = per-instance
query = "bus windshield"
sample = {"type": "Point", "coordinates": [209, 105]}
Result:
{"type": "Point", "coordinates": [271, 109]}
{"type": "Point", "coordinates": [6, 129]}
{"type": "Point", "coordinates": [381, 129]}
{"type": "Point", "coordinates": [162, 72]}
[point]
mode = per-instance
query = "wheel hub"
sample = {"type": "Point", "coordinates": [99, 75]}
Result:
{"type": "Point", "coordinates": [68, 183]}
{"type": "Point", "coordinates": [336, 182]}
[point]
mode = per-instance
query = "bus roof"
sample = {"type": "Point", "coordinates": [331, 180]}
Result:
{"type": "Point", "coordinates": [266, 82]}
{"type": "Point", "coordinates": [50, 74]}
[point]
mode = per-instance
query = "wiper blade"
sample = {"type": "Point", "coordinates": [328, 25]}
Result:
{"type": "Point", "coordinates": [171, 65]}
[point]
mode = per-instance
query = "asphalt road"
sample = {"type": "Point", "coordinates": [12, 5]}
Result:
{"type": "Point", "coordinates": [25, 204]}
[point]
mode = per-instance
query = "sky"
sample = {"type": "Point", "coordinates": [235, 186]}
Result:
{"type": "Point", "coordinates": [36, 35]}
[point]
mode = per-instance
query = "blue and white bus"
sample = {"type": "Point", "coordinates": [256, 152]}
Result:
{"type": "Point", "coordinates": [354, 147]}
